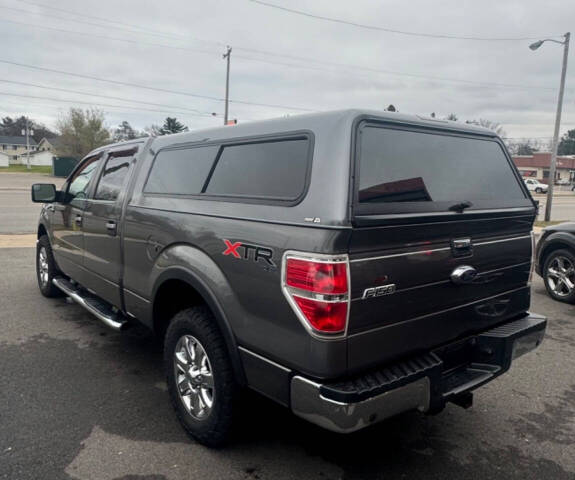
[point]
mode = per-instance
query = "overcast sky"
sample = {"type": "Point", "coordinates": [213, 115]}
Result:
{"type": "Point", "coordinates": [177, 45]}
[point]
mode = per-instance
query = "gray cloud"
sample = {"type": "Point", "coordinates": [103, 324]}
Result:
{"type": "Point", "coordinates": [523, 112]}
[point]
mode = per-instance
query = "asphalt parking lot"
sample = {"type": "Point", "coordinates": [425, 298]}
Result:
{"type": "Point", "coordinates": [78, 401]}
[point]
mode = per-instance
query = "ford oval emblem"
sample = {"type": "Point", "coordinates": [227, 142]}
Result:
{"type": "Point", "coordinates": [463, 274]}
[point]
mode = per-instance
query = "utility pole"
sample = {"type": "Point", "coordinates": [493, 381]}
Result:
{"type": "Point", "coordinates": [227, 56]}
{"type": "Point", "coordinates": [553, 165]}
{"type": "Point", "coordinates": [554, 144]}
{"type": "Point", "coordinates": [27, 131]}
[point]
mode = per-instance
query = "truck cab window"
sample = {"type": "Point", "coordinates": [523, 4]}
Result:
{"type": "Point", "coordinates": [112, 179]}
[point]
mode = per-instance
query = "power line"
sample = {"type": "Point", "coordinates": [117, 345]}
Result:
{"type": "Point", "coordinates": [147, 87]}
{"type": "Point", "coordinates": [107, 37]}
{"type": "Point", "coordinates": [105, 105]}
{"type": "Point", "coordinates": [78, 92]}
{"type": "Point", "coordinates": [390, 30]}
{"type": "Point", "coordinates": [264, 52]}
{"type": "Point", "coordinates": [401, 74]}
{"type": "Point", "coordinates": [107, 20]}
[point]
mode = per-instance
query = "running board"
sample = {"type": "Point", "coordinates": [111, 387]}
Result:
{"type": "Point", "coordinates": [96, 306]}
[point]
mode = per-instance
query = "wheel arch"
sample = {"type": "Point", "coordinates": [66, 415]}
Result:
{"type": "Point", "coordinates": [197, 293]}
{"type": "Point", "coordinates": [42, 230]}
{"type": "Point", "coordinates": [555, 241]}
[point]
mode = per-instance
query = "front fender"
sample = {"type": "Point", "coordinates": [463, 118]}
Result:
{"type": "Point", "coordinates": [191, 265]}
{"type": "Point", "coordinates": [552, 241]}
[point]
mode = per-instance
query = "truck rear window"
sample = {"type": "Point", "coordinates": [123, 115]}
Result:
{"type": "Point", "coordinates": [412, 171]}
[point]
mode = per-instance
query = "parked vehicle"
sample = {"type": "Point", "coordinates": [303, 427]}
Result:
{"type": "Point", "coordinates": [536, 186]}
{"type": "Point", "coordinates": [556, 261]}
{"type": "Point", "coordinates": [341, 263]}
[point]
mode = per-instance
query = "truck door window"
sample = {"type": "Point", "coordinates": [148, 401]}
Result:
{"type": "Point", "coordinates": [81, 180]}
{"type": "Point", "coordinates": [113, 176]}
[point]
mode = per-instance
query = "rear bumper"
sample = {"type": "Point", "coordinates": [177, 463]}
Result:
{"type": "Point", "coordinates": [426, 382]}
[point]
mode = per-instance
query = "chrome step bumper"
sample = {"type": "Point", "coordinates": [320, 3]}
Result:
{"type": "Point", "coordinates": [425, 383]}
{"type": "Point", "coordinates": [95, 306]}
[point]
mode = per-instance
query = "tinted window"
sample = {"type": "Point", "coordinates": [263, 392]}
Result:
{"type": "Point", "coordinates": [80, 182]}
{"type": "Point", "coordinates": [112, 178]}
{"type": "Point", "coordinates": [409, 166]}
{"type": "Point", "coordinates": [181, 171]}
{"type": "Point", "coordinates": [267, 169]}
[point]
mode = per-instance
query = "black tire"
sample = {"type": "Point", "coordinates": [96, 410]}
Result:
{"type": "Point", "coordinates": [198, 323]}
{"type": "Point", "coordinates": [554, 259]}
{"type": "Point", "coordinates": [46, 269]}
{"type": "Point", "coordinates": [538, 190]}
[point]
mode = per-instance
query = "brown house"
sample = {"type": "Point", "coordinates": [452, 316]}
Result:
{"type": "Point", "coordinates": [537, 166]}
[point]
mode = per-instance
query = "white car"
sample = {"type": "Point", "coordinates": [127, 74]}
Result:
{"type": "Point", "coordinates": [536, 186]}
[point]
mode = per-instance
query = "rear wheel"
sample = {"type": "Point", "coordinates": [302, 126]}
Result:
{"type": "Point", "coordinates": [199, 375]}
{"type": "Point", "coordinates": [559, 275]}
{"type": "Point", "coordinates": [46, 268]}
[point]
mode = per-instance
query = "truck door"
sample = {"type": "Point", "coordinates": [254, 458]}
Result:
{"type": "Point", "coordinates": [102, 228]}
{"type": "Point", "coordinates": [67, 219]}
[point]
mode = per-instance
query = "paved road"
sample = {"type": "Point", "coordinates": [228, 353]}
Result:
{"type": "Point", "coordinates": [562, 208]}
{"type": "Point", "coordinates": [78, 401]}
{"type": "Point", "coordinates": [17, 212]}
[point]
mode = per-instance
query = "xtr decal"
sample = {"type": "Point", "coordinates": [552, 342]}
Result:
{"type": "Point", "coordinates": [244, 250]}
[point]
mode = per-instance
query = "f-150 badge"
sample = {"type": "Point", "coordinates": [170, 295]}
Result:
{"type": "Point", "coordinates": [379, 291]}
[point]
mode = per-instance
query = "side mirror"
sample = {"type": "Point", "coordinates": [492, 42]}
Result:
{"type": "Point", "coordinates": [44, 193]}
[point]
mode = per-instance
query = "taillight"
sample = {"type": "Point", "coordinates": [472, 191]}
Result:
{"type": "Point", "coordinates": [317, 288]}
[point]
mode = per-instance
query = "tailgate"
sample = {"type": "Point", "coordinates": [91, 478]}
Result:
{"type": "Point", "coordinates": [420, 306]}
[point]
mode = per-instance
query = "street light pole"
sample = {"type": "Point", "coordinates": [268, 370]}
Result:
{"type": "Point", "coordinates": [227, 56]}
{"type": "Point", "coordinates": [554, 144]}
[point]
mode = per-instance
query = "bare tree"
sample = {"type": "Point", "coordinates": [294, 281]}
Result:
{"type": "Point", "coordinates": [82, 131]}
{"type": "Point", "coordinates": [496, 127]}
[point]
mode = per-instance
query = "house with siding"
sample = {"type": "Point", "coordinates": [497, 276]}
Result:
{"type": "Point", "coordinates": [14, 147]}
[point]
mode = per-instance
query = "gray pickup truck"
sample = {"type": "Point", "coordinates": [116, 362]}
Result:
{"type": "Point", "coordinates": [350, 265]}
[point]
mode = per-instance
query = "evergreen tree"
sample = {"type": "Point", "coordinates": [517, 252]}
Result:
{"type": "Point", "coordinates": [13, 127]}
{"type": "Point", "coordinates": [172, 125]}
{"type": "Point", "coordinates": [567, 144]}
{"type": "Point", "coordinates": [124, 132]}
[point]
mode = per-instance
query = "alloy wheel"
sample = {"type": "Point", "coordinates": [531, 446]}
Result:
{"type": "Point", "coordinates": [43, 268]}
{"type": "Point", "coordinates": [561, 276]}
{"type": "Point", "coordinates": [194, 378]}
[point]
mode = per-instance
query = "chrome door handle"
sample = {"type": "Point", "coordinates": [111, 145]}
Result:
{"type": "Point", "coordinates": [111, 226]}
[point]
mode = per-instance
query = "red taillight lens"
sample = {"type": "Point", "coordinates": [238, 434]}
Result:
{"type": "Point", "coordinates": [318, 291]}
{"type": "Point", "coordinates": [329, 317]}
{"type": "Point", "coordinates": [317, 277]}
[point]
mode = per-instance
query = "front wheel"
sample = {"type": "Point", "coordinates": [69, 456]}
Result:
{"type": "Point", "coordinates": [200, 377]}
{"type": "Point", "coordinates": [538, 190]}
{"type": "Point", "coordinates": [559, 275]}
{"type": "Point", "coordinates": [46, 268]}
